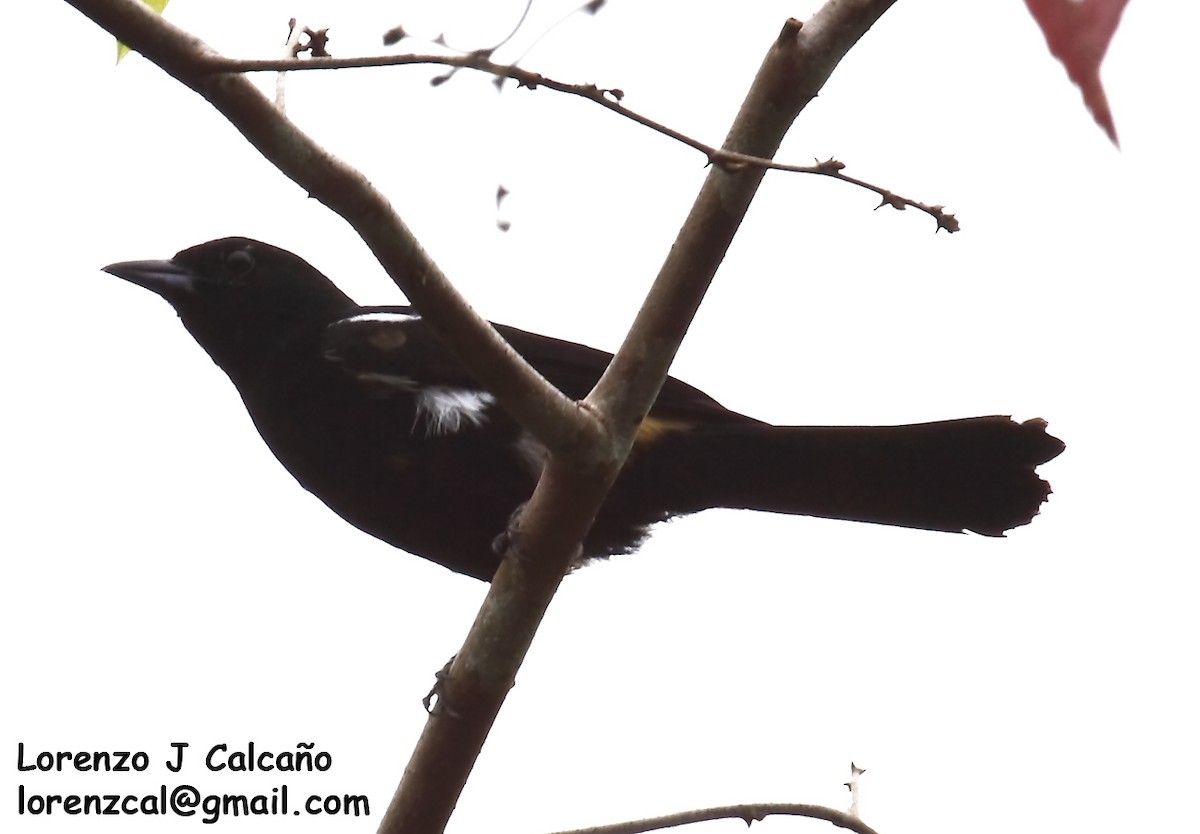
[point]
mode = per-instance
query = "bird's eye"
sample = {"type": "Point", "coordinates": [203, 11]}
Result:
{"type": "Point", "coordinates": [239, 262]}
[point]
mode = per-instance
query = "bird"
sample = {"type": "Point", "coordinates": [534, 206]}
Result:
{"type": "Point", "coordinates": [370, 412]}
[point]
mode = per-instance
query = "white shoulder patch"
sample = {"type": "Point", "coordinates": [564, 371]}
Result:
{"type": "Point", "coordinates": [445, 410]}
{"type": "Point", "coordinates": [395, 318]}
{"type": "Point", "coordinates": [386, 382]}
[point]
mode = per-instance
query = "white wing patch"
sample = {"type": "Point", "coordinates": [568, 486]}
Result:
{"type": "Point", "coordinates": [395, 318]}
{"type": "Point", "coordinates": [445, 410]}
{"type": "Point", "coordinates": [386, 382]}
{"type": "Point", "coordinates": [442, 409]}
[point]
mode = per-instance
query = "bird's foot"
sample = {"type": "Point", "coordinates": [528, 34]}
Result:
{"type": "Point", "coordinates": [508, 543]}
{"type": "Point", "coordinates": [509, 540]}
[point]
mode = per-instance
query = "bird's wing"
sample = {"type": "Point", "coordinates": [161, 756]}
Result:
{"type": "Point", "coordinates": [574, 369]}
{"type": "Point", "coordinates": [395, 341]}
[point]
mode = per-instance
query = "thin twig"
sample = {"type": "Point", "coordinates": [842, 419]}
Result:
{"type": "Point", "coordinates": [609, 98]}
{"type": "Point", "coordinates": [746, 813]}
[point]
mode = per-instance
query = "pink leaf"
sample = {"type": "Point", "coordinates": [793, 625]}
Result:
{"type": "Point", "coordinates": [1078, 33]}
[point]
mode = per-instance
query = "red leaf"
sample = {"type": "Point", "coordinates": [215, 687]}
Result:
{"type": "Point", "coordinates": [1078, 33]}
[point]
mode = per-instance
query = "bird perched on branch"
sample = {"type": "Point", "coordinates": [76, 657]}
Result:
{"type": "Point", "coordinates": [371, 413]}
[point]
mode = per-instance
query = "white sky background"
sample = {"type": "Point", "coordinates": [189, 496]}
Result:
{"type": "Point", "coordinates": [167, 581]}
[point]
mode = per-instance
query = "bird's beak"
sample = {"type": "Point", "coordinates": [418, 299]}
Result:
{"type": "Point", "coordinates": [166, 278]}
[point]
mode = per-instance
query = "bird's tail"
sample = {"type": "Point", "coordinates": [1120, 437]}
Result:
{"type": "Point", "coordinates": [975, 474]}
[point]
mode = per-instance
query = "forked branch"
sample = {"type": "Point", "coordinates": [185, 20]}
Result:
{"type": "Point", "coordinates": [589, 443]}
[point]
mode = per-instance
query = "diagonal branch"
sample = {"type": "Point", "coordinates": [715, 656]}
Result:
{"type": "Point", "coordinates": [795, 68]}
{"type": "Point", "coordinates": [541, 408]}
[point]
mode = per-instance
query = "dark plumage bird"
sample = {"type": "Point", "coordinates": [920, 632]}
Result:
{"type": "Point", "coordinates": [373, 415]}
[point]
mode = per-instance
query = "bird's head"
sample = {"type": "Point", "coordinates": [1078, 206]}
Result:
{"type": "Point", "coordinates": [237, 295]}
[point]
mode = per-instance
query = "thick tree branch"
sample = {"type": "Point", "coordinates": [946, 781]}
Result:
{"type": "Point", "coordinates": [555, 419]}
{"type": "Point", "coordinates": [795, 68]}
{"type": "Point", "coordinates": [482, 673]}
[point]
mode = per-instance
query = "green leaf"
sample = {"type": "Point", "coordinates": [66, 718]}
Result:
{"type": "Point", "coordinates": [158, 6]}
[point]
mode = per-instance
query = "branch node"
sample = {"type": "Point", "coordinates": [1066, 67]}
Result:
{"type": "Point", "coordinates": [830, 167]}
{"type": "Point", "coordinates": [791, 27]}
{"type": "Point", "coordinates": [944, 220]}
{"type": "Point", "coordinates": [887, 198]}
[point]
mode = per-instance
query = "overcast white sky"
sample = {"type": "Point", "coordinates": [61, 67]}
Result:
{"type": "Point", "coordinates": [167, 581]}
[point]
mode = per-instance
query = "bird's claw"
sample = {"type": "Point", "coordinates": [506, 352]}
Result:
{"type": "Point", "coordinates": [509, 540]}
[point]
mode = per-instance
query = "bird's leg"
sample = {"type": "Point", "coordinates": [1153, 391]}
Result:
{"type": "Point", "coordinates": [509, 541]}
